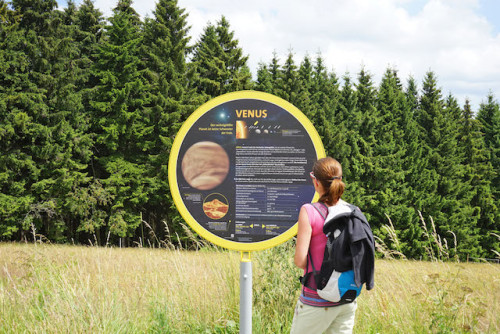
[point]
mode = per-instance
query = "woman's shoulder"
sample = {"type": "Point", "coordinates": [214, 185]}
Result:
{"type": "Point", "coordinates": [310, 206]}
{"type": "Point", "coordinates": [342, 202]}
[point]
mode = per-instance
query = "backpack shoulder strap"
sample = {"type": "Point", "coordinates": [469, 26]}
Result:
{"type": "Point", "coordinates": [321, 208]}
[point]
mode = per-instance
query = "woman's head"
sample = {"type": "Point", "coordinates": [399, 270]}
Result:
{"type": "Point", "coordinates": [328, 173]}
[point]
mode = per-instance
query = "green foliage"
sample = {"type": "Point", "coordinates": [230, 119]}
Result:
{"type": "Point", "coordinates": [275, 292]}
{"type": "Point", "coordinates": [165, 50]}
{"type": "Point", "coordinates": [89, 111]}
{"type": "Point", "coordinates": [47, 147]}
{"type": "Point", "coordinates": [447, 190]}
{"type": "Point", "coordinates": [489, 118]}
{"type": "Point", "coordinates": [219, 61]}
{"type": "Point", "coordinates": [486, 163]}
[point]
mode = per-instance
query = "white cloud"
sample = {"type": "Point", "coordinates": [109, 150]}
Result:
{"type": "Point", "coordinates": [448, 37]}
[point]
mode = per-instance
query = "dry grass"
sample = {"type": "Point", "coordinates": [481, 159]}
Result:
{"type": "Point", "coordinates": [431, 297]}
{"type": "Point", "coordinates": [62, 289]}
{"type": "Point", "coordinates": [69, 289]}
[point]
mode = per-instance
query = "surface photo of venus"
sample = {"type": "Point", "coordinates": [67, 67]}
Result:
{"type": "Point", "coordinates": [205, 165]}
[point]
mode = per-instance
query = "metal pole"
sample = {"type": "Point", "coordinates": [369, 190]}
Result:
{"type": "Point", "coordinates": [245, 293]}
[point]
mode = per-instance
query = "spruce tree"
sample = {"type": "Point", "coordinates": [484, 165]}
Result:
{"type": "Point", "coordinates": [345, 128]}
{"type": "Point", "coordinates": [211, 74]}
{"type": "Point", "coordinates": [363, 121]}
{"type": "Point", "coordinates": [289, 85]}
{"type": "Point", "coordinates": [479, 172]}
{"type": "Point", "coordinates": [5, 13]}
{"type": "Point", "coordinates": [392, 155]}
{"type": "Point", "coordinates": [448, 195]}
{"type": "Point", "coordinates": [325, 96]}
{"type": "Point", "coordinates": [90, 28]}
{"type": "Point", "coordinates": [85, 203]}
{"type": "Point", "coordinates": [70, 73]}
{"type": "Point", "coordinates": [416, 164]}
{"type": "Point", "coordinates": [17, 94]}
{"type": "Point", "coordinates": [43, 93]}
{"type": "Point", "coordinates": [234, 60]}
{"type": "Point", "coordinates": [276, 75]}
{"type": "Point", "coordinates": [347, 143]}
{"type": "Point", "coordinates": [172, 100]}
{"type": "Point", "coordinates": [305, 86]}
{"type": "Point", "coordinates": [368, 114]}
{"type": "Point", "coordinates": [489, 120]}
{"type": "Point", "coordinates": [264, 80]}
{"type": "Point", "coordinates": [35, 142]}
{"type": "Point", "coordinates": [461, 184]}
{"type": "Point", "coordinates": [122, 124]}
{"type": "Point", "coordinates": [416, 180]}
{"type": "Point", "coordinates": [219, 61]}
{"type": "Point", "coordinates": [411, 94]}
{"type": "Point", "coordinates": [489, 117]}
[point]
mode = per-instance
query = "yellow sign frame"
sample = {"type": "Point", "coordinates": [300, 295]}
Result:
{"type": "Point", "coordinates": [174, 155]}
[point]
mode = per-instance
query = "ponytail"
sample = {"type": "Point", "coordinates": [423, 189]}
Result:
{"type": "Point", "coordinates": [334, 192]}
{"type": "Point", "coordinates": [328, 171]}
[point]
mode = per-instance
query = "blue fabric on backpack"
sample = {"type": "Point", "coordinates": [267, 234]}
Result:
{"type": "Point", "coordinates": [347, 282]}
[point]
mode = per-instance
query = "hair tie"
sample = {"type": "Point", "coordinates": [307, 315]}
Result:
{"type": "Point", "coordinates": [336, 178]}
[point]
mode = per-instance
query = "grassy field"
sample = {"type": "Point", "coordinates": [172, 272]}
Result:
{"type": "Point", "coordinates": [70, 289]}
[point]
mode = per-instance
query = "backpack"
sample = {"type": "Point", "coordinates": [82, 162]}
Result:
{"type": "Point", "coordinates": [333, 284]}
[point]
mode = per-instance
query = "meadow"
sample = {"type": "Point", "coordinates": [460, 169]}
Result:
{"type": "Point", "coordinates": [76, 289]}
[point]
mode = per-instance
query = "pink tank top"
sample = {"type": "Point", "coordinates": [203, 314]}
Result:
{"type": "Point", "coordinates": [317, 249]}
{"type": "Point", "coordinates": [318, 242]}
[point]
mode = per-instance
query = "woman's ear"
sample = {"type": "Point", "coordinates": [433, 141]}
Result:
{"type": "Point", "coordinates": [317, 184]}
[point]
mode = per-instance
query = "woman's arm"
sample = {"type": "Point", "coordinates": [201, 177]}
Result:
{"type": "Point", "coordinates": [303, 239]}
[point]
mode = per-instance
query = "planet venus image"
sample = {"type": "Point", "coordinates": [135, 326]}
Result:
{"type": "Point", "coordinates": [205, 165]}
{"type": "Point", "coordinates": [215, 209]}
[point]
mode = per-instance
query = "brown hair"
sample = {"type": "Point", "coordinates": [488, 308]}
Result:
{"type": "Point", "coordinates": [328, 172]}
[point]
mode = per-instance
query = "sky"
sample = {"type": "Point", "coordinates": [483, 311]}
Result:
{"type": "Point", "coordinates": [459, 40]}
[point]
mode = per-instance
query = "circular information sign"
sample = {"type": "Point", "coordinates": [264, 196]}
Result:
{"type": "Point", "coordinates": [239, 169]}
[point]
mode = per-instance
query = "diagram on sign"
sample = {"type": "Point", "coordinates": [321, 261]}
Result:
{"type": "Point", "coordinates": [244, 131]}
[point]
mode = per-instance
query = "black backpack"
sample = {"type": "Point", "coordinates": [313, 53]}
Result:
{"type": "Point", "coordinates": [334, 280]}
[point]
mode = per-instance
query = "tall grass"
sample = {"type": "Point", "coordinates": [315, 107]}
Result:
{"type": "Point", "coordinates": [68, 289]}
{"type": "Point", "coordinates": [170, 289]}
{"type": "Point", "coordinates": [409, 296]}
{"type": "Point", "coordinates": [431, 297]}
{"type": "Point", "coordinates": [71, 289]}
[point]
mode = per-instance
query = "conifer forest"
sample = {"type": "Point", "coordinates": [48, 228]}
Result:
{"type": "Point", "coordinates": [90, 106]}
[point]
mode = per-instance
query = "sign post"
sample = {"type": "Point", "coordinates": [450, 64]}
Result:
{"type": "Point", "coordinates": [239, 172]}
{"type": "Point", "coordinates": [245, 293]}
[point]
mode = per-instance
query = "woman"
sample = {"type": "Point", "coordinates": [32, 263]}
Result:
{"type": "Point", "coordinates": [312, 313]}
